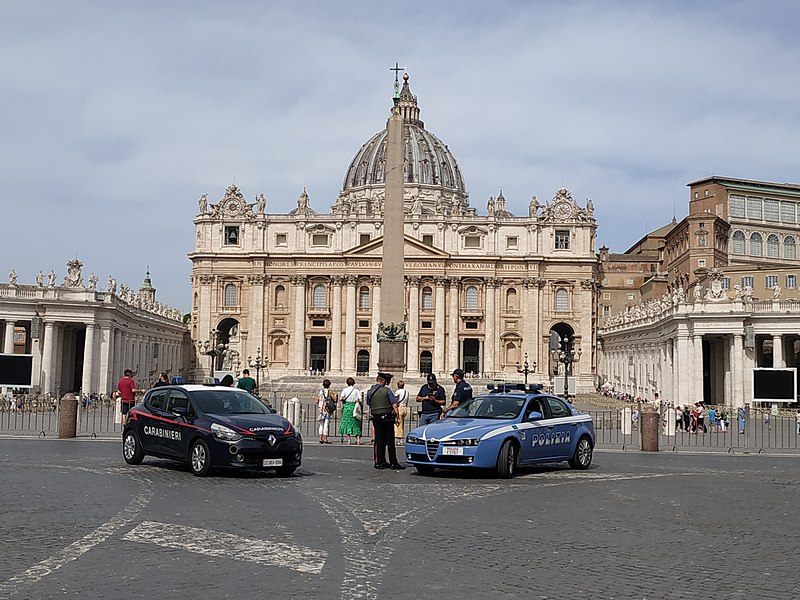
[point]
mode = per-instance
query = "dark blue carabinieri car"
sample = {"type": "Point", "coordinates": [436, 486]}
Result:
{"type": "Point", "coordinates": [512, 425]}
{"type": "Point", "coordinates": [211, 426]}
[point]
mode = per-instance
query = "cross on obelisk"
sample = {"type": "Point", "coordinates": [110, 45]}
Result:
{"type": "Point", "coordinates": [392, 328]}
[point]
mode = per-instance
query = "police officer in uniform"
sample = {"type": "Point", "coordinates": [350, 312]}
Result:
{"type": "Point", "coordinates": [462, 393]}
{"type": "Point", "coordinates": [382, 405]}
{"type": "Point", "coordinates": [433, 398]}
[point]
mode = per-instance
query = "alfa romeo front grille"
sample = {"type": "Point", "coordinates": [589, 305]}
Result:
{"type": "Point", "coordinates": [431, 447]}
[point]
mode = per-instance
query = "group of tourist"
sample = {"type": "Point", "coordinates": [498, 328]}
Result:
{"type": "Point", "coordinates": [388, 409]}
{"type": "Point", "coordinates": [692, 419]}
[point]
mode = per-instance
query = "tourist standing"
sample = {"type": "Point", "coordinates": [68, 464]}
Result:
{"type": "Point", "coordinates": [352, 412]}
{"type": "Point", "coordinates": [326, 405]}
{"type": "Point", "coordinates": [163, 379]}
{"type": "Point", "coordinates": [401, 393]}
{"type": "Point", "coordinates": [247, 383]}
{"type": "Point", "coordinates": [126, 388]}
{"type": "Point", "coordinates": [740, 415]}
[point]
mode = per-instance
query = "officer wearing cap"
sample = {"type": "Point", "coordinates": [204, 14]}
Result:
{"type": "Point", "coordinates": [462, 393]}
{"type": "Point", "coordinates": [433, 398]}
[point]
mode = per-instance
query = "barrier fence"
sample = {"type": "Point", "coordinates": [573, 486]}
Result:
{"type": "Point", "coordinates": [763, 432]}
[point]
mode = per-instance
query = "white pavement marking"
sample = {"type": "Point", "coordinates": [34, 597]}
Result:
{"type": "Point", "coordinates": [221, 544]}
{"type": "Point", "coordinates": [80, 547]}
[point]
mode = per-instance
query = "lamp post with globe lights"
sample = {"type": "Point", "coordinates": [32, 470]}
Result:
{"type": "Point", "coordinates": [567, 355]}
{"type": "Point", "coordinates": [213, 348]}
{"type": "Point", "coordinates": [526, 367]}
{"type": "Point", "coordinates": [257, 364]}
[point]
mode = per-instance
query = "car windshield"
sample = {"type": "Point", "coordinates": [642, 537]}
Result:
{"type": "Point", "coordinates": [490, 407]}
{"type": "Point", "coordinates": [229, 401]}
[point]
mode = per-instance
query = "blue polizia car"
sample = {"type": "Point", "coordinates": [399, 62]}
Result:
{"type": "Point", "coordinates": [512, 425]}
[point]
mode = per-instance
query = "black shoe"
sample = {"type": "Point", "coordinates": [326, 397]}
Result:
{"type": "Point", "coordinates": [397, 467]}
{"type": "Point", "coordinates": [382, 466]}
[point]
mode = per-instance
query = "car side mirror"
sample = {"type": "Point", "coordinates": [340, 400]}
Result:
{"type": "Point", "coordinates": [534, 415]}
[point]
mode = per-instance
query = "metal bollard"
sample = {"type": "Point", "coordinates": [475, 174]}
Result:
{"type": "Point", "coordinates": [650, 424]}
{"type": "Point", "coordinates": [68, 416]}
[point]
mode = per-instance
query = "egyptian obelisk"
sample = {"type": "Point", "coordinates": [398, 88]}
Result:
{"type": "Point", "coordinates": [392, 328]}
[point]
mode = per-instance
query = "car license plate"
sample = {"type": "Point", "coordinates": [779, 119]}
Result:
{"type": "Point", "coordinates": [272, 462]}
{"type": "Point", "coordinates": [453, 450]}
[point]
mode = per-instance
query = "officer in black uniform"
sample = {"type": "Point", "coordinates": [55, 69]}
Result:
{"type": "Point", "coordinates": [382, 407]}
{"type": "Point", "coordinates": [462, 393]}
{"type": "Point", "coordinates": [433, 398]}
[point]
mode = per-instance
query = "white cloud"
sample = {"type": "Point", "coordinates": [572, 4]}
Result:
{"type": "Point", "coordinates": [116, 117]}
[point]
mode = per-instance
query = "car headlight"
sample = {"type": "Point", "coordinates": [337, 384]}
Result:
{"type": "Point", "coordinates": [464, 442]}
{"type": "Point", "coordinates": [225, 433]}
{"type": "Point", "coordinates": [414, 440]}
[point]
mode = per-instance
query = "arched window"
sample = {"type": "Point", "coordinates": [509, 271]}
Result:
{"type": "Point", "coordinates": [737, 242]}
{"type": "Point", "coordinates": [512, 353]}
{"type": "Point", "coordinates": [425, 362]}
{"type": "Point", "coordinates": [230, 295]}
{"type": "Point", "coordinates": [279, 351]}
{"type": "Point", "coordinates": [472, 298]}
{"type": "Point", "coordinates": [511, 299]}
{"type": "Point", "coordinates": [363, 297]}
{"type": "Point", "coordinates": [362, 362]}
{"type": "Point", "coordinates": [280, 295]}
{"type": "Point", "coordinates": [320, 297]}
{"type": "Point", "coordinates": [427, 298]}
{"type": "Point", "coordinates": [789, 247]}
{"type": "Point", "coordinates": [773, 246]}
{"type": "Point", "coordinates": [562, 300]}
{"type": "Point", "coordinates": [756, 245]}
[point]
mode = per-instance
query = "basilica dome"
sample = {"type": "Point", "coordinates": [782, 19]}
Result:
{"type": "Point", "coordinates": [431, 176]}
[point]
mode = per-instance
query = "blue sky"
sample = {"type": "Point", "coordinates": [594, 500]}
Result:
{"type": "Point", "coordinates": [117, 116]}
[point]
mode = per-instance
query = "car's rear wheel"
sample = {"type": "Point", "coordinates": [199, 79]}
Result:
{"type": "Point", "coordinates": [200, 458]}
{"type": "Point", "coordinates": [507, 460]}
{"type": "Point", "coordinates": [285, 471]}
{"type": "Point", "coordinates": [424, 469]}
{"type": "Point", "coordinates": [582, 457]}
{"type": "Point", "coordinates": [131, 448]}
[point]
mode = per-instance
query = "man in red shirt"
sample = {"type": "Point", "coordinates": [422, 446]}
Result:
{"type": "Point", "coordinates": [127, 394]}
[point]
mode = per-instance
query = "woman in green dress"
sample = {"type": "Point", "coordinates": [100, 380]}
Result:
{"type": "Point", "coordinates": [351, 424]}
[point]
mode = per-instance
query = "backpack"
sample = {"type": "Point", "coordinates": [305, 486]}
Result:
{"type": "Point", "coordinates": [330, 403]}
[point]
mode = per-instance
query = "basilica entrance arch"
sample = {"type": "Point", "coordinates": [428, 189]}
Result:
{"type": "Point", "coordinates": [566, 336]}
{"type": "Point", "coordinates": [425, 362]}
{"type": "Point", "coordinates": [227, 333]}
{"type": "Point", "coordinates": [362, 362]}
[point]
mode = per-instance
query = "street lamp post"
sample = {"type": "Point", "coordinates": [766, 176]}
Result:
{"type": "Point", "coordinates": [257, 364]}
{"type": "Point", "coordinates": [213, 348]}
{"type": "Point", "coordinates": [526, 368]}
{"type": "Point", "coordinates": [567, 355]}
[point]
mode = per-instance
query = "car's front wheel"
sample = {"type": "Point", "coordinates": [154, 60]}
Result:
{"type": "Point", "coordinates": [507, 460]}
{"type": "Point", "coordinates": [424, 469]}
{"type": "Point", "coordinates": [131, 448]}
{"type": "Point", "coordinates": [200, 458]}
{"type": "Point", "coordinates": [582, 457]}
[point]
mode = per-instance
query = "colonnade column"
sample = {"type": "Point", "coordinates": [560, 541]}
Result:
{"type": "Point", "coordinates": [336, 326]}
{"type": "Point", "coordinates": [681, 358]}
{"type": "Point", "coordinates": [737, 370]}
{"type": "Point", "coordinates": [8, 345]}
{"type": "Point", "coordinates": [299, 341]}
{"type": "Point", "coordinates": [258, 316]}
{"type": "Point", "coordinates": [376, 318]}
{"type": "Point", "coordinates": [439, 317]}
{"type": "Point", "coordinates": [47, 358]}
{"type": "Point", "coordinates": [777, 352]}
{"type": "Point", "coordinates": [490, 340]}
{"type": "Point", "coordinates": [87, 384]}
{"type": "Point", "coordinates": [412, 355]}
{"type": "Point", "coordinates": [452, 326]}
{"type": "Point", "coordinates": [349, 364]}
{"type": "Point", "coordinates": [697, 375]}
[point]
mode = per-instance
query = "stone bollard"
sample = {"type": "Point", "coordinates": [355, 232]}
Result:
{"type": "Point", "coordinates": [68, 416]}
{"type": "Point", "coordinates": [650, 425]}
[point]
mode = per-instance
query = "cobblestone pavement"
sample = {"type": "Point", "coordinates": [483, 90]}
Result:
{"type": "Point", "coordinates": [77, 522]}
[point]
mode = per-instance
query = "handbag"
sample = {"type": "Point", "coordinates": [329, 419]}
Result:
{"type": "Point", "coordinates": [358, 412]}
